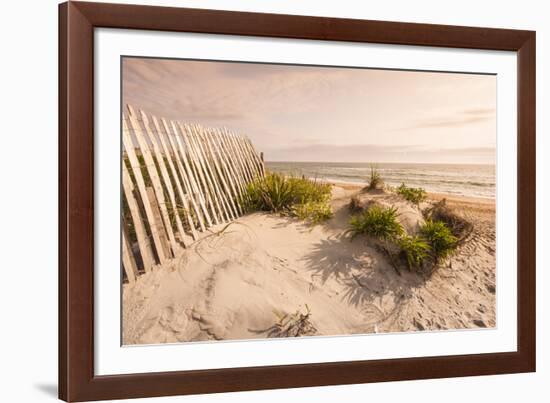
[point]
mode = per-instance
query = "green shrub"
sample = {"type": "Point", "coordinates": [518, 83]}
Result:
{"type": "Point", "coordinates": [461, 227]}
{"type": "Point", "coordinates": [304, 198]}
{"type": "Point", "coordinates": [375, 180]}
{"type": "Point", "coordinates": [414, 195]}
{"type": "Point", "coordinates": [377, 222]}
{"type": "Point", "coordinates": [414, 250]}
{"type": "Point", "coordinates": [270, 193]}
{"type": "Point", "coordinates": [307, 190]}
{"type": "Point", "coordinates": [440, 238]}
{"type": "Point", "coordinates": [314, 212]}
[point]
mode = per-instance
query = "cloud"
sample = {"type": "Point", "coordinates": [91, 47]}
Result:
{"type": "Point", "coordinates": [461, 119]}
{"type": "Point", "coordinates": [293, 112]}
{"type": "Point", "coordinates": [380, 153]}
{"type": "Point", "coordinates": [331, 152]}
{"type": "Point", "coordinates": [488, 112]}
{"type": "Point", "coordinates": [214, 91]}
{"type": "Point", "coordinates": [473, 151]}
{"type": "Point", "coordinates": [447, 123]}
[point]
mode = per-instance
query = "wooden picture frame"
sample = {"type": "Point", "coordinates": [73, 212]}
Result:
{"type": "Point", "coordinates": [77, 21]}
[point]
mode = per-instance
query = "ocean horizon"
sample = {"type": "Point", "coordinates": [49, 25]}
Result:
{"type": "Point", "coordinates": [472, 180]}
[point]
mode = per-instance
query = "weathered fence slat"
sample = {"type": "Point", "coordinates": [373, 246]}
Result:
{"type": "Point", "coordinates": [190, 162]}
{"type": "Point", "coordinates": [156, 228]}
{"type": "Point", "coordinates": [234, 163]}
{"type": "Point", "coordinates": [179, 179]}
{"type": "Point", "coordinates": [234, 174]}
{"type": "Point", "coordinates": [246, 156]}
{"type": "Point", "coordinates": [249, 157]}
{"type": "Point", "coordinates": [240, 165]}
{"type": "Point", "coordinates": [139, 227]}
{"type": "Point", "coordinates": [229, 175]}
{"type": "Point", "coordinates": [155, 179]}
{"type": "Point", "coordinates": [189, 190]}
{"type": "Point", "coordinates": [255, 157]}
{"type": "Point", "coordinates": [158, 218]}
{"type": "Point", "coordinates": [196, 191]}
{"type": "Point", "coordinates": [161, 160]}
{"type": "Point", "coordinates": [211, 178]}
{"type": "Point", "coordinates": [226, 191]}
{"type": "Point", "coordinates": [128, 261]}
{"type": "Point", "coordinates": [231, 147]}
{"type": "Point", "coordinates": [198, 163]}
{"type": "Point", "coordinates": [169, 153]}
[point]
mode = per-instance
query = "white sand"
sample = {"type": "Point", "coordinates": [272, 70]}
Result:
{"type": "Point", "coordinates": [236, 285]}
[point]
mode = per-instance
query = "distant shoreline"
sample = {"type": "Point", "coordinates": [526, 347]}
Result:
{"type": "Point", "coordinates": [478, 181]}
{"type": "Point", "coordinates": [431, 195]}
{"type": "Point", "coordinates": [381, 163]}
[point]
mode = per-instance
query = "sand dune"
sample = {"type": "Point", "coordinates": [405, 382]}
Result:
{"type": "Point", "coordinates": [238, 284]}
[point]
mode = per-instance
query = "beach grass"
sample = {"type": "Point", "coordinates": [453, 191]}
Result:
{"type": "Point", "coordinates": [414, 250]}
{"type": "Point", "coordinates": [312, 211]}
{"type": "Point", "coordinates": [304, 198]}
{"type": "Point", "coordinates": [267, 258]}
{"type": "Point", "coordinates": [439, 236]}
{"type": "Point", "coordinates": [413, 195]}
{"type": "Point", "coordinates": [460, 227]}
{"type": "Point", "coordinates": [375, 180]}
{"type": "Point", "coordinates": [378, 222]}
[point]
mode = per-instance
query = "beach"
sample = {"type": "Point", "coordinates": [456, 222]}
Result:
{"type": "Point", "coordinates": [470, 180]}
{"type": "Point", "coordinates": [244, 279]}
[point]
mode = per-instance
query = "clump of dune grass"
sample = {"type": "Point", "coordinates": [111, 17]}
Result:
{"type": "Point", "coordinates": [270, 193]}
{"type": "Point", "coordinates": [355, 205]}
{"type": "Point", "coordinates": [309, 190]}
{"type": "Point", "coordinates": [414, 250]}
{"type": "Point", "coordinates": [314, 212]}
{"type": "Point", "coordinates": [375, 179]}
{"type": "Point", "coordinates": [300, 197]}
{"type": "Point", "coordinates": [460, 227]}
{"type": "Point", "coordinates": [440, 238]}
{"type": "Point", "coordinates": [434, 242]}
{"type": "Point", "coordinates": [378, 222]}
{"type": "Point", "coordinates": [381, 223]}
{"type": "Point", "coordinates": [413, 195]}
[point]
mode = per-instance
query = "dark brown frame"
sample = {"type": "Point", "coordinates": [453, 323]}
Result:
{"type": "Point", "coordinates": [77, 21]}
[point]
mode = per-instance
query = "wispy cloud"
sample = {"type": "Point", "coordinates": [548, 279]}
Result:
{"type": "Point", "coordinates": [459, 119]}
{"type": "Point", "coordinates": [487, 112]}
{"type": "Point", "coordinates": [381, 153]}
{"type": "Point", "coordinates": [315, 113]}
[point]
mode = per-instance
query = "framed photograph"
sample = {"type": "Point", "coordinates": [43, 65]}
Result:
{"type": "Point", "coordinates": [256, 201]}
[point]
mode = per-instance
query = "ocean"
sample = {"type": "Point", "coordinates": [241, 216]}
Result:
{"type": "Point", "coordinates": [453, 179]}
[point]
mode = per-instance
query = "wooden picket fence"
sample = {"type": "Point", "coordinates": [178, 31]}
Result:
{"type": "Point", "coordinates": [178, 180]}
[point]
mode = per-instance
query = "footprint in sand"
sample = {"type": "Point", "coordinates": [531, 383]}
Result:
{"type": "Point", "coordinates": [174, 320]}
{"type": "Point", "coordinates": [215, 325]}
{"type": "Point", "coordinates": [167, 325]}
{"type": "Point", "coordinates": [479, 323]}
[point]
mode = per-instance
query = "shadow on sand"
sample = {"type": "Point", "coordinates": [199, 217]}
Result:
{"type": "Point", "coordinates": [362, 271]}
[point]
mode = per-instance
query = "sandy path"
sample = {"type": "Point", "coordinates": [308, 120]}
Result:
{"type": "Point", "coordinates": [238, 284]}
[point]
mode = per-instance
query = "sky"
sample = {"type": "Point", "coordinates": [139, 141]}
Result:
{"type": "Point", "coordinates": [312, 113]}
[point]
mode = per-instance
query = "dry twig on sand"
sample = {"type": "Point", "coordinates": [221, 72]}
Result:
{"type": "Point", "coordinates": [214, 236]}
{"type": "Point", "coordinates": [294, 325]}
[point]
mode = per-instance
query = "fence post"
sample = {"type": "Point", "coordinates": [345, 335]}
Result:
{"type": "Point", "coordinates": [156, 228]}
{"type": "Point", "coordinates": [165, 175]}
{"type": "Point", "coordinates": [208, 170]}
{"type": "Point", "coordinates": [151, 168]}
{"type": "Point", "coordinates": [139, 227]}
